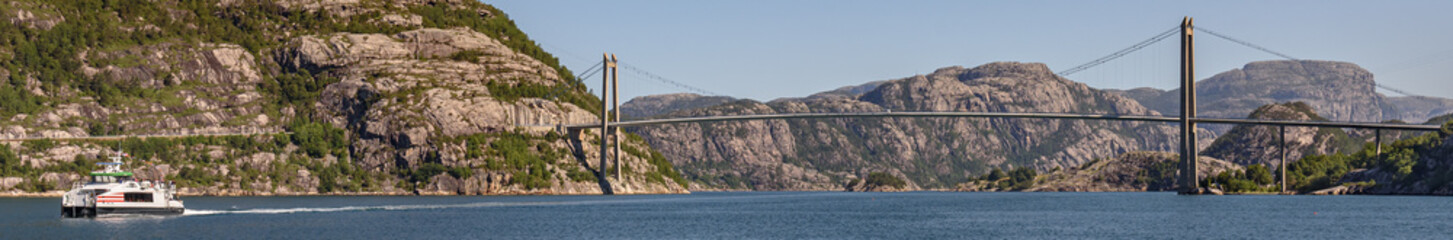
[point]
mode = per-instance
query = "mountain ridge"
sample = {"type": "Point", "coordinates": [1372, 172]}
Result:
{"type": "Point", "coordinates": [1341, 91]}
{"type": "Point", "coordinates": [928, 153]}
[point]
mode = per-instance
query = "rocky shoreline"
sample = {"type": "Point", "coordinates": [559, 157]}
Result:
{"type": "Point", "coordinates": [1333, 191]}
{"type": "Point", "coordinates": [53, 194]}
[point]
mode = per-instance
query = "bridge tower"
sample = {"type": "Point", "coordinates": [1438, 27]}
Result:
{"type": "Point", "coordinates": [1189, 180]}
{"type": "Point", "coordinates": [607, 99]}
{"type": "Point", "coordinates": [615, 112]}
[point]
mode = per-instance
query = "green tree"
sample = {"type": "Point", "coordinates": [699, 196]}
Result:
{"type": "Point", "coordinates": [1400, 162]}
{"type": "Point", "coordinates": [428, 170]}
{"type": "Point", "coordinates": [461, 172]}
{"type": "Point", "coordinates": [995, 175]}
{"type": "Point", "coordinates": [1259, 174]}
{"type": "Point", "coordinates": [1160, 175]}
{"type": "Point", "coordinates": [880, 179]}
{"type": "Point", "coordinates": [1447, 129]}
{"type": "Point", "coordinates": [9, 162]}
{"type": "Point", "coordinates": [319, 139]}
{"type": "Point", "coordinates": [1318, 172]}
{"type": "Point", "coordinates": [1022, 178]}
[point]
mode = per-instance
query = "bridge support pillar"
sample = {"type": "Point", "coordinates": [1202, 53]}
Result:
{"type": "Point", "coordinates": [615, 112]}
{"type": "Point", "coordinates": [1283, 130]}
{"type": "Point", "coordinates": [1377, 139]}
{"type": "Point", "coordinates": [605, 94]}
{"type": "Point", "coordinates": [1189, 180]}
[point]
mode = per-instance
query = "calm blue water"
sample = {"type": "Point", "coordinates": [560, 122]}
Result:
{"type": "Point", "coordinates": [830, 215]}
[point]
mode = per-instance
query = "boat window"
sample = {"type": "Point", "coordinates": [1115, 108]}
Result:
{"type": "Point", "coordinates": [103, 179]}
{"type": "Point", "coordinates": [137, 197]}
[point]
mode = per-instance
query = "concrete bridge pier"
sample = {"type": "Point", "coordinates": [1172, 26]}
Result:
{"type": "Point", "coordinates": [1283, 130]}
{"type": "Point", "coordinates": [1189, 181]}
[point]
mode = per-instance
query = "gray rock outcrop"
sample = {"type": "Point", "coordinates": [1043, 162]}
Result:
{"type": "Point", "coordinates": [929, 152]}
{"type": "Point", "coordinates": [1248, 144]}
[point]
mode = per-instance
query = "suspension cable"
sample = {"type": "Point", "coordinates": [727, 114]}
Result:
{"type": "Point", "coordinates": [560, 88]}
{"type": "Point", "coordinates": [1243, 43]}
{"type": "Point", "coordinates": [1404, 93]}
{"type": "Point", "coordinates": [1121, 53]}
{"type": "Point", "coordinates": [582, 75]}
{"type": "Point", "coordinates": [680, 85]}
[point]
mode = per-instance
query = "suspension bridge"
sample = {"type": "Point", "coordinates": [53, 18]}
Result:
{"type": "Point", "coordinates": [1187, 183]}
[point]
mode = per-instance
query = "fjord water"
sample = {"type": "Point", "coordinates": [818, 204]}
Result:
{"type": "Point", "coordinates": [738, 215]}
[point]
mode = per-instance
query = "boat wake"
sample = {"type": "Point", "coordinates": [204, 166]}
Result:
{"type": "Point", "coordinates": [199, 212]}
{"type": "Point", "coordinates": [202, 212]}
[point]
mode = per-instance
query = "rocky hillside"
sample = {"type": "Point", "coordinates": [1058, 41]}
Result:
{"type": "Point", "coordinates": [1340, 91]}
{"type": "Point", "coordinates": [1248, 144]}
{"type": "Point", "coordinates": [1421, 165]}
{"type": "Point", "coordinates": [1129, 172]}
{"type": "Point", "coordinates": [926, 152]}
{"type": "Point", "coordinates": [387, 97]}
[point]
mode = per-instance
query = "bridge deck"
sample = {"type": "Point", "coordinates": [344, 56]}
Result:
{"type": "Point", "coordinates": [1390, 126]}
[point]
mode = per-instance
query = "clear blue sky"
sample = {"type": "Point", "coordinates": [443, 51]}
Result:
{"type": "Point", "coordinates": [769, 49]}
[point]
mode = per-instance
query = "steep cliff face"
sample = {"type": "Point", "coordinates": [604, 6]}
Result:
{"type": "Point", "coordinates": [1248, 144]}
{"type": "Point", "coordinates": [179, 88]}
{"type": "Point", "coordinates": [389, 97]}
{"type": "Point", "coordinates": [926, 152]}
{"type": "Point", "coordinates": [1340, 91]}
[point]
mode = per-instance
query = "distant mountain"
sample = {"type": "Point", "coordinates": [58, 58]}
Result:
{"type": "Point", "coordinates": [1144, 94]}
{"type": "Point", "coordinates": [850, 91]}
{"type": "Point", "coordinates": [649, 106]}
{"type": "Point", "coordinates": [1418, 109]}
{"type": "Point", "coordinates": [1340, 91]}
{"type": "Point", "coordinates": [926, 152]}
{"type": "Point", "coordinates": [653, 105]}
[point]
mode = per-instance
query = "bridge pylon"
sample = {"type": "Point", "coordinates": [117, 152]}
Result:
{"type": "Point", "coordinates": [609, 108]}
{"type": "Point", "coordinates": [1189, 182]}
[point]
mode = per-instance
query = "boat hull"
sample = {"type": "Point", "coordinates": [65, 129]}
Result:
{"type": "Point", "coordinates": [80, 212]}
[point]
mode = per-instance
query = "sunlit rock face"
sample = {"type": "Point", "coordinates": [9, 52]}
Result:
{"type": "Point", "coordinates": [929, 153]}
{"type": "Point", "coordinates": [1339, 91]}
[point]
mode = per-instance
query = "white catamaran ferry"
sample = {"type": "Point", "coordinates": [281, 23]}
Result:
{"type": "Point", "coordinates": [114, 191]}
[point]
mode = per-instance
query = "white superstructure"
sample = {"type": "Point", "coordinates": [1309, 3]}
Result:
{"type": "Point", "coordinates": [114, 191]}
